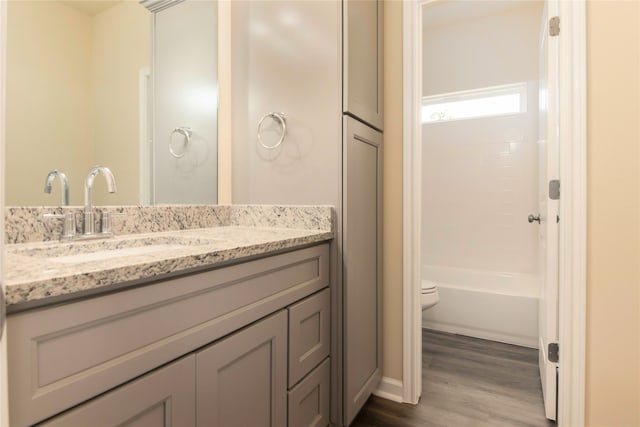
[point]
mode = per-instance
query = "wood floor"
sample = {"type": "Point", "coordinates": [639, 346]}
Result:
{"type": "Point", "coordinates": [467, 382]}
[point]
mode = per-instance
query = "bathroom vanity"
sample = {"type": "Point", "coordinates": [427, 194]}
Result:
{"type": "Point", "coordinates": [319, 66]}
{"type": "Point", "coordinates": [233, 329]}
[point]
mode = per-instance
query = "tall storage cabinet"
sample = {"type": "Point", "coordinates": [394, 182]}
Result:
{"type": "Point", "coordinates": [362, 203]}
{"type": "Point", "coordinates": [320, 64]}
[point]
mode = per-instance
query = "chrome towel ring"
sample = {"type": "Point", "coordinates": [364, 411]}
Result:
{"type": "Point", "coordinates": [184, 131]}
{"type": "Point", "coordinates": [280, 118]}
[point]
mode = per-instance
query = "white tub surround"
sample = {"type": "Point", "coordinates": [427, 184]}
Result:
{"type": "Point", "coordinates": [40, 273]}
{"type": "Point", "coordinates": [491, 305]}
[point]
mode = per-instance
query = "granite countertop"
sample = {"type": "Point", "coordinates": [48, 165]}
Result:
{"type": "Point", "coordinates": [35, 272]}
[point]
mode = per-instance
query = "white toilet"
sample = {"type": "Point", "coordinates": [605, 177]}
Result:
{"type": "Point", "coordinates": [430, 295]}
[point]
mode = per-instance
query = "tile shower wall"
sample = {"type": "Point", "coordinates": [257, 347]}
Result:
{"type": "Point", "coordinates": [480, 175]}
{"type": "Point", "coordinates": [479, 185]}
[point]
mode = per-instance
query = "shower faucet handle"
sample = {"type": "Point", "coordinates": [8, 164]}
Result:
{"type": "Point", "coordinates": [532, 218]}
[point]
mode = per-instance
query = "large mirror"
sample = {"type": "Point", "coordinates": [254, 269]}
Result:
{"type": "Point", "coordinates": [81, 92]}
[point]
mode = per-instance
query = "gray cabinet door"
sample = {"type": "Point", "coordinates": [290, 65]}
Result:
{"type": "Point", "coordinates": [362, 56]}
{"type": "Point", "coordinates": [163, 398]}
{"type": "Point", "coordinates": [362, 235]}
{"type": "Point", "coordinates": [241, 381]}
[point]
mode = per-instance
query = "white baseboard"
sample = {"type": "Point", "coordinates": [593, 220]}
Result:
{"type": "Point", "coordinates": [390, 389]}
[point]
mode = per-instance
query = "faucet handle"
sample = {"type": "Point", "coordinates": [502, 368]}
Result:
{"type": "Point", "coordinates": [69, 225]}
{"type": "Point", "coordinates": [106, 221]}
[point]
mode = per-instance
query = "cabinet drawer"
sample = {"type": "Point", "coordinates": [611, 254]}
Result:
{"type": "Point", "coordinates": [309, 334]}
{"type": "Point", "coordinates": [309, 400]}
{"type": "Point", "coordinates": [163, 398]}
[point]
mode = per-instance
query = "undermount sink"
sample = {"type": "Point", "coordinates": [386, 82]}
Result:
{"type": "Point", "coordinates": [98, 250]}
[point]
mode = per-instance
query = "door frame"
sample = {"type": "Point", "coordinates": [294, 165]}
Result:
{"type": "Point", "coordinates": [573, 204]}
{"type": "Point", "coordinates": [4, 388]}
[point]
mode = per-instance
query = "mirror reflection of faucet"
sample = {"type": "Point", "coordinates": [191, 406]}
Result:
{"type": "Point", "coordinates": [69, 225]}
{"type": "Point", "coordinates": [64, 185]}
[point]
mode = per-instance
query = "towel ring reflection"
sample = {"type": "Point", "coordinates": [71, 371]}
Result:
{"type": "Point", "coordinates": [278, 117]}
{"type": "Point", "coordinates": [184, 131]}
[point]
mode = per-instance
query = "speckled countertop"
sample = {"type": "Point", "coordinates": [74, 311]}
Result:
{"type": "Point", "coordinates": [38, 273]}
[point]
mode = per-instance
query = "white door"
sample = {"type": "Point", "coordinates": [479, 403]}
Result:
{"type": "Point", "coordinates": [548, 205]}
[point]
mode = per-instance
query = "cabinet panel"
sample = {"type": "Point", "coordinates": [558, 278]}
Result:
{"type": "Point", "coordinates": [162, 398]}
{"type": "Point", "coordinates": [362, 309]}
{"type": "Point", "coordinates": [242, 380]}
{"type": "Point", "coordinates": [362, 49]}
{"type": "Point", "coordinates": [309, 332]}
{"type": "Point", "coordinates": [309, 400]}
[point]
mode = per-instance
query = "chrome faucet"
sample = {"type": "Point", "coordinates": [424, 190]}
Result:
{"type": "Point", "coordinates": [89, 223]}
{"type": "Point", "coordinates": [64, 185]}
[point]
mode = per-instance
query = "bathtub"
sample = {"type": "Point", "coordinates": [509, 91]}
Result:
{"type": "Point", "coordinates": [484, 304]}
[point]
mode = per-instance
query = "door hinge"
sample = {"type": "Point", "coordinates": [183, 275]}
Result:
{"type": "Point", "coordinates": [554, 189]}
{"type": "Point", "coordinates": [553, 352]}
{"type": "Point", "coordinates": [554, 26]}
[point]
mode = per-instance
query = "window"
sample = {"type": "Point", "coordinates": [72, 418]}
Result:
{"type": "Point", "coordinates": [471, 104]}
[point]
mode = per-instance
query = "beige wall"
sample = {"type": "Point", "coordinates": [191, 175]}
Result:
{"type": "Point", "coordinates": [121, 48]}
{"type": "Point", "coordinates": [613, 294]}
{"type": "Point", "coordinates": [392, 191]}
{"type": "Point", "coordinates": [72, 98]}
{"type": "Point", "coordinates": [48, 101]}
{"type": "Point", "coordinates": [613, 257]}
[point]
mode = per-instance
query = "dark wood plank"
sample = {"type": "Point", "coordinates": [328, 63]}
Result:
{"type": "Point", "coordinates": [467, 382]}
